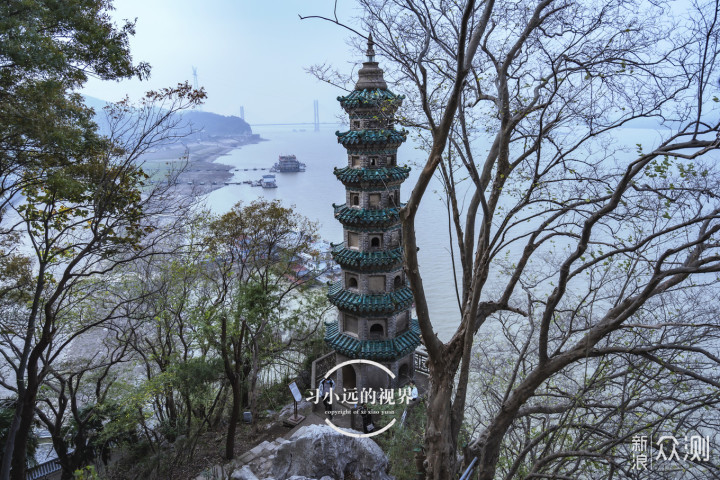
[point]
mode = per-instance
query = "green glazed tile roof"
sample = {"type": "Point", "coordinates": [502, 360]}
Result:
{"type": "Point", "coordinates": [390, 349]}
{"type": "Point", "coordinates": [353, 258]}
{"type": "Point", "coordinates": [370, 150]}
{"type": "Point", "coordinates": [372, 97]}
{"type": "Point", "coordinates": [371, 137]}
{"type": "Point", "coordinates": [366, 217]}
{"type": "Point", "coordinates": [390, 302]}
{"type": "Point", "coordinates": [384, 175]}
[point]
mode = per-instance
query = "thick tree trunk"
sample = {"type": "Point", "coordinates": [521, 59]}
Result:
{"type": "Point", "coordinates": [188, 405]}
{"type": "Point", "coordinates": [19, 457]}
{"type": "Point", "coordinates": [8, 459]}
{"type": "Point", "coordinates": [490, 450]}
{"type": "Point", "coordinates": [253, 387]}
{"type": "Point", "coordinates": [64, 458]}
{"type": "Point", "coordinates": [440, 442]}
{"type": "Point", "coordinates": [68, 461]}
{"type": "Point", "coordinates": [171, 410]}
{"type": "Point", "coordinates": [234, 419]}
{"type": "Point", "coordinates": [9, 447]}
{"type": "Point", "coordinates": [245, 385]}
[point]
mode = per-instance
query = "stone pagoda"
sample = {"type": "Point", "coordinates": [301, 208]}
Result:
{"type": "Point", "coordinates": [372, 297]}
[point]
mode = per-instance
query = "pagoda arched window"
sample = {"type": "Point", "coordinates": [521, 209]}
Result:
{"type": "Point", "coordinates": [404, 373]}
{"type": "Point", "coordinates": [397, 283]}
{"type": "Point", "coordinates": [377, 332]}
{"type": "Point", "coordinates": [393, 199]}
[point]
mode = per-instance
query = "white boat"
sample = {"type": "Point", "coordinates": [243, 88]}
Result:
{"type": "Point", "coordinates": [268, 181]}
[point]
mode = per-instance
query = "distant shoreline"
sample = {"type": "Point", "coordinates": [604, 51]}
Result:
{"type": "Point", "coordinates": [202, 169]}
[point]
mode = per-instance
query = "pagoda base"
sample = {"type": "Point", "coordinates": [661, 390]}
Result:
{"type": "Point", "coordinates": [363, 375]}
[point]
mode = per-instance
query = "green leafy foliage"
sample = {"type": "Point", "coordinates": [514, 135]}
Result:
{"type": "Point", "coordinates": [47, 51]}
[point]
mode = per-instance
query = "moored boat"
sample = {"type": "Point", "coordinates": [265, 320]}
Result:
{"type": "Point", "coordinates": [288, 163]}
{"type": "Point", "coordinates": [268, 181]}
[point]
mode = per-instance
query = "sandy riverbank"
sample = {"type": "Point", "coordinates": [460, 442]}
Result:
{"type": "Point", "coordinates": [203, 170]}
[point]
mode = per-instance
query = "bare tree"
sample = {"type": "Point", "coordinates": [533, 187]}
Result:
{"type": "Point", "coordinates": [74, 405]}
{"type": "Point", "coordinates": [585, 419]}
{"type": "Point", "coordinates": [519, 105]}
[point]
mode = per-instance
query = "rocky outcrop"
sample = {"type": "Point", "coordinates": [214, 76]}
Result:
{"type": "Point", "coordinates": [313, 452]}
{"type": "Point", "coordinates": [316, 451]}
{"type": "Point", "coordinates": [244, 473]}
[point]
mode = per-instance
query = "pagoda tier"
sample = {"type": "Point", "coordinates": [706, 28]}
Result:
{"type": "Point", "coordinates": [397, 347]}
{"type": "Point", "coordinates": [389, 302]}
{"type": "Point", "coordinates": [358, 217]}
{"type": "Point", "coordinates": [368, 138]}
{"type": "Point", "coordinates": [369, 98]}
{"type": "Point", "coordinates": [372, 298]}
{"type": "Point", "coordinates": [377, 261]}
{"type": "Point", "coordinates": [383, 176]}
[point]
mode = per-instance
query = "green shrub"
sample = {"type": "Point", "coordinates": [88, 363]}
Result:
{"type": "Point", "coordinates": [400, 442]}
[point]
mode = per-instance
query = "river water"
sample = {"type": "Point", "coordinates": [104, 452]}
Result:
{"type": "Point", "coordinates": [312, 193]}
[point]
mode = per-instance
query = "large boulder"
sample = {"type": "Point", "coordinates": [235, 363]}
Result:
{"type": "Point", "coordinates": [300, 477]}
{"type": "Point", "coordinates": [316, 451]}
{"type": "Point", "coordinates": [243, 474]}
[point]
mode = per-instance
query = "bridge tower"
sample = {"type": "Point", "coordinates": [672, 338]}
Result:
{"type": "Point", "coordinates": [316, 119]}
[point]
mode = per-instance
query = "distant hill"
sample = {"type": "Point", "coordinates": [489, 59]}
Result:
{"type": "Point", "coordinates": [216, 125]}
{"type": "Point", "coordinates": [207, 124]}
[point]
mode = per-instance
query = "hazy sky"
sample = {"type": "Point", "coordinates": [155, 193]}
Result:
{"type": "Point", "coordinates": [248, 52]}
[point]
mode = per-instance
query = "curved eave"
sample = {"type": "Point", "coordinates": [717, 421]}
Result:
{"type": "Point", "coordinates": [381, 176]}
{"type": "Point", "coordinates": [386, 303]}
{"type": "Point", "coordinates": [382, 137]}
{"type": "Point", "coordinates": [391, 349]}
{"type": "Point", "coordinates": [361, 217]}
{"type": "Point", "coordinates": [349, 258]}
{"type": "Point", "coordinates": [371, 98]}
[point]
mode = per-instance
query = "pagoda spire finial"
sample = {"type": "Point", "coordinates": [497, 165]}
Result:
{"type": "Point", "coordinates": [370, 50]}
{"type": "Point", "coordinates": [370, 76]}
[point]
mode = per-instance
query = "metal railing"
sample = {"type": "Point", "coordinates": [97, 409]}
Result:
{"type": "Point", "coordinates": [420, 362]}
{"type": "Point", "coordinates": [470, 470]}
{"type": "Point", "coordinates": [319, 367]}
